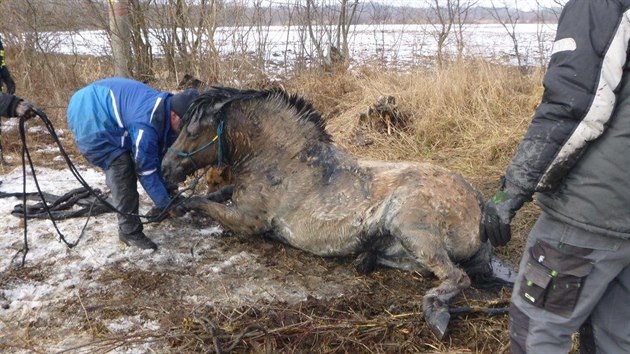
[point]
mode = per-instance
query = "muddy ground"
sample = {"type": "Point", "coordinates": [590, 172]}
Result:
{"type": "Point", "coordinates": [205, 290]}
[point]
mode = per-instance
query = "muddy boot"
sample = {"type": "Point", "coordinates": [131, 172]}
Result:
{"type": "Point", "coordinates": [138, 240]}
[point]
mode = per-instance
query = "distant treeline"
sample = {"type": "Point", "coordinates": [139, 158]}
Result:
{"type": "Point", "coordinates": [69, 15]}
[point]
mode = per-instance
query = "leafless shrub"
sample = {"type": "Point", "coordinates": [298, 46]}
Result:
{"type": "Point", "coordinates": [506, 13]}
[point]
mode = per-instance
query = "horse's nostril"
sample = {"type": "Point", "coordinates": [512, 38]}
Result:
{"type": "Point", "coordinates": [166, 171]}
{"type": "Point", "coordinates": [172, 172]}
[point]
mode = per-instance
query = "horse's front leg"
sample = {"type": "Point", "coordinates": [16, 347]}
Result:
{"type": "Point", "coordinates": [230, 217]}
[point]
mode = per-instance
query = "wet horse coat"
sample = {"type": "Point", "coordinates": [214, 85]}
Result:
{"type": "Point", "coordinates": [293, 184]}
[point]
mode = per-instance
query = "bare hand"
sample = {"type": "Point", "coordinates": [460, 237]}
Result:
{"type": "Point", "coordinates": [26, 110]}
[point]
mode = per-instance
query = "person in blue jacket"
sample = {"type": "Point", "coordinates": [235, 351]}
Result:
{"type": "Point", "coordinates": [125, 127]}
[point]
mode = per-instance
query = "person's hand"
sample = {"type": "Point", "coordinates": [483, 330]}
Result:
{"type": "Point", "coordinates": [497, 215]}
{"type": "Point", "coordinates": [175, 209]}
{"type": "Point", "coordinates": [26, 110]}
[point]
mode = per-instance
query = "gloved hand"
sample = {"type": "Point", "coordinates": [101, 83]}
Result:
{"type": "Point", "coordinates": [175, 209]}
{"type": "Point", "coordinates": [7, 80]}
{"type": "Point", "coordinates": [26, 110]}
{"type": "Point", "coordinates": [498, 212]}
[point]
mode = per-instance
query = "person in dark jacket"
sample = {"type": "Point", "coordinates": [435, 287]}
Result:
{"type": "Point", "coordinates": [14, 106]}
{"type": "Point", "coordinates": [575, 156]}
{"type": "Point", "coordinates": [5, 75]}
{"type": "Point", "coordinates": [125, 127]}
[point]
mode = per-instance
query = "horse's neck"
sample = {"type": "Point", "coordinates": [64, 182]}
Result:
{"type": "Point", "coordinates": [287, 159]}
{"type": "Point", "coordinates": [270, 142]}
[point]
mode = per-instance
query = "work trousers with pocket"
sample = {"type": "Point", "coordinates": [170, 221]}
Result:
{"type": "Point", "coordinates": [122, 181]}
{"type": "Point", "coordinates": [567, 274]}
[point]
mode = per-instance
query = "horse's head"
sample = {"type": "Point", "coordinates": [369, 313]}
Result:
{"type": "Point", "coordinates": [199, 142]}
{"type": "Point", "coordinates": [256, 118]}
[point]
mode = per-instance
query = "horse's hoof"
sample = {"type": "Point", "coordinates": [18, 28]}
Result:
{"type": "Point", "coordinates": [438, 320]}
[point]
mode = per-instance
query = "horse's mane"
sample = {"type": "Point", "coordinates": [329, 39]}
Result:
{"type": "Point", "coordinates": [218, 98]}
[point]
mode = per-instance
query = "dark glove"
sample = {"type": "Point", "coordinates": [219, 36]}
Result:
{"type": "Point", "coordinates": [7, 80]}
{"type": "Point", "coordinates": [175, 209]}
{"type": "Point", "coordinates": [498, 212]}
{"type": "Point", "coordinates": [156, 214]}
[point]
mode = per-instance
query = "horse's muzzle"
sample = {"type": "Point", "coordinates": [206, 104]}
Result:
{"type": "Point", "coordinates": [172, 171]}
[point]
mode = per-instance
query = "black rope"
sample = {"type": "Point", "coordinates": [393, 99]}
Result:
{"type": "Point", "coordinates": [61, 205]}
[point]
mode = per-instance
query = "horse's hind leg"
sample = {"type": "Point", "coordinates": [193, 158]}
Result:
{"type": "Point", "coordinates": [427, 249]}
{"type": "Point", "coordinates": [435, 301]}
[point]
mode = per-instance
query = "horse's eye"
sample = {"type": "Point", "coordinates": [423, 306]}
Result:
{"type": "Point", "coordinates": [191, 135]}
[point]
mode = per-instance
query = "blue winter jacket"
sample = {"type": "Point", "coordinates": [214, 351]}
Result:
{"type": "Point", "coordinates": [117, 115]}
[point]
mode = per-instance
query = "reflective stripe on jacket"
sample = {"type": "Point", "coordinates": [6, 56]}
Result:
{"type": "Point", "coordinates": [574, 151]}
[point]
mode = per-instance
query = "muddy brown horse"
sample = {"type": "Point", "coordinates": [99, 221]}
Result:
{"type": "Point", "coordinates": [293, 184]}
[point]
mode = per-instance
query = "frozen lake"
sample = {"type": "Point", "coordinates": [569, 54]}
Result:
{"type": "Point", "coordinates": [393, 45]}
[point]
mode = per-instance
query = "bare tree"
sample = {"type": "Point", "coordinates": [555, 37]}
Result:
{"type": "Point", "coordinates": [441, 16]}
{"type": "Point", "coordinates": [328, 24]}
{"type": "Point", "coordinates": [184, 31]}
{"type": "Point", "coordinates": [508, 17]}
{"type": "Point", "coordinates": [289, 11]}
{"type": "Point", "coordinates": [120, 36]}
{"type": "Point", "coordinates": [462, 10]}
{"type": "Point", "coordinates": [261, 19]}
{"type": "Point", "coordinates": [142, 59]}
{"type": "Point", "coordinates": [348, 12]}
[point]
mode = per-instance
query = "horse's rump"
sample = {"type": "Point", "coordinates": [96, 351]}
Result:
{"type": "Point", "coordinates": [439, 199]}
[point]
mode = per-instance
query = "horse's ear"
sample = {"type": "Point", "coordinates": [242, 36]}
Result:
{"type": "Point", "coordinates": [218, 105]}
{"type": "Point", "coordinates": [193, 124]}
{"type": "Point", "coordinates": [207, 111]}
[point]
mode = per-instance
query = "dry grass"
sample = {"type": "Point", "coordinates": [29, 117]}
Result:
{"type": "Point", "coordinates": [468, 117]}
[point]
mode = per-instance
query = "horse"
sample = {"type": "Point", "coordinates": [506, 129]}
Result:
{"type": "Point", "coordinates": [291, 183]}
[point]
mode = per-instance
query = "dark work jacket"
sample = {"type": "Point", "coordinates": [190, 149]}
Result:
{"type": "Point", "coordinates": [576, 152]}
{"type": "Point", "coordinates": [8, 103]}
